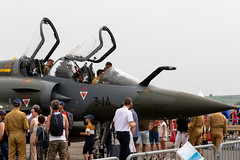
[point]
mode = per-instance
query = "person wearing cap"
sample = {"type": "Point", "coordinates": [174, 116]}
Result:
{"type": "Point", "coordinates": [33, 129]}
{"type": "Point", "coordinates": [123, 121]}
{"type": "Point", "coordinates": [16, 126]}
{"type": "Point", "coordinates": [61, 109]}
{"type": "Point", "coordinates": [89, 140]}
{"type": "Point", "coordinates": [3, 136]}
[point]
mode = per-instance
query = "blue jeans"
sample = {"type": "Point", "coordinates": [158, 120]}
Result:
{"type": "Point", "coordinates": [4, 149]}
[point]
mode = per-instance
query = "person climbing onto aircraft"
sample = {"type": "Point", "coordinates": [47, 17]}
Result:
{"type": "Point", "coordinates": [99, 75]}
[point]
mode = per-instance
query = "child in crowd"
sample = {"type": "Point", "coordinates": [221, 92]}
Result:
{"type": "Point", "coordinates": [40, 134]}
{"type": "Point", "coordinates": [89, 141]}
{"type": "Point", "coordinates": [163, 135]}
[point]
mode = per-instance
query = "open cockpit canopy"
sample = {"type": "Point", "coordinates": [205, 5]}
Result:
{"type": "Point", "coordinates": [40, 50]}
{"type": "Point", "coordinates": [93, 45]}
{"type": "Point", "coordinates": [43, 45]}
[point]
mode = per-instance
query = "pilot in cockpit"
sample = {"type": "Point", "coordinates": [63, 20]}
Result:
{"type": "Point", "coordinates": [48, 65]}
{"type": "Point", "coordinates": [107, 65]}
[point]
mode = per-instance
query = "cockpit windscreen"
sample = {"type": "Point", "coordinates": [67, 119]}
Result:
{"type": "Point", "coordinates": [116, 77]}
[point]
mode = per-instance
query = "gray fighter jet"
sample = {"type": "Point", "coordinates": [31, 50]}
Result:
{"type": "Point", "coordinates": [69, 80]}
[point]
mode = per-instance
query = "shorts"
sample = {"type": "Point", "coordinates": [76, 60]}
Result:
{"type": "Point", "coordinates": [153, 137]}
{"type": "Point", "coordinates": [88, 147]}
{"type": "Point", "coordinates": [164, 138]}
{"type": "Point", "coordinates": [143, 137]}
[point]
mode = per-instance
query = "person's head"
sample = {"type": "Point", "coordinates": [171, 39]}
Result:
{"type": "Point", "coordinates": [17, 103]}
{"type": "Point", "coordinates": [128, 102]}
{"type": "Point", "coordinates": [61, 106]}
{"type": "Point", "coordinates": [107, 65]}
{"type": "Point", "coordinates": [35, 110]}
{"type": "Point", "coordinates": [100, 73]}
{"type": "Point", "coordinates": [88, 118]}
{"type": "Point", "coordinates": [2, 114]}
{"type": "Point", "coordinates": [41, 119]}
{"type": "Point", "coordinates": [50, 63]}
{"type": "Point", "coordinates": [55, 105]}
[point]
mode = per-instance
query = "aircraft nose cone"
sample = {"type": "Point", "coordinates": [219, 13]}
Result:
{"type": "Point", "coordinates": [193, 104]}
{"type": "Point", "coordinates": [165, 104]}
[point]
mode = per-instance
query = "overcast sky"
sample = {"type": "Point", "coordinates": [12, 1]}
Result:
{"type": "Point", "coordinates": [200, 38]}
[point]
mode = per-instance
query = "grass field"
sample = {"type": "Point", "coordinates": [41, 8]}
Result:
{"type": "Point", "coordinates": [229, 99]}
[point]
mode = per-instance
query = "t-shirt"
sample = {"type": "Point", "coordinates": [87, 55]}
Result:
{"type": "Point", "coordinates": [143, 125]}
{"type": "Point", "coordinates": [161, 129]}
{"type": "Point", "coordinates": [122, 118]}
{"type": "Point", "coordinates": [39, 134]}
{"type": "Point", "coordinates": [182, 124]}
{"type": "Point", "coordinates": [90, 128]}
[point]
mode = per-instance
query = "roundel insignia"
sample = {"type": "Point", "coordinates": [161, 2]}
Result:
{"type": "Point", "coordinates": [83, 94]}
{"type": "Point", "coordinates": [15, 71]}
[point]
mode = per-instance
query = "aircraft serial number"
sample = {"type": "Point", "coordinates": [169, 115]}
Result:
{"type": "Point", "coordinates": [103, 101]}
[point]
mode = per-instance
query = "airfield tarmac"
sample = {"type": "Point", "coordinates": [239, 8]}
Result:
{"type": "Point", "coordinates": [77, 147]}
{"type": "Point", "coordinates": [78, 142]}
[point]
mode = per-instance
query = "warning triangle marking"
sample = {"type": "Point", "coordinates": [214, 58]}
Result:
{"type": "Point", "coordinates": [26, 102]}
{"type": "Point", "coordinates": [83, 94]}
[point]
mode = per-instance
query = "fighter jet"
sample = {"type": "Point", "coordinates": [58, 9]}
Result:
{"type": "Point", "coordinates": [70, 77]}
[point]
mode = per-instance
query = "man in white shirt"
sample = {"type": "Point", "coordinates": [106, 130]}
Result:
{"type": "Point", "coordinates": [123, 121]}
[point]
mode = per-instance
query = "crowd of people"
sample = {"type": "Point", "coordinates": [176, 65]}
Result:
{"type": "Point", "coordinates": [198, 130]}
{"type": "Point", "coordinates": [48, 135]}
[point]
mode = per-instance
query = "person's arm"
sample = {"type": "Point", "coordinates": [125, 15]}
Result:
{"type": "Point", "coordinates": [36, 141]}
{"type": "Point", "coordinates": [25, 122]}
{"type": "Point", "coordinates": [39, 130]}
{"type": "Point", "coordinates": [1, 130]}
{"type": "Point", "coordinates": [156, 123]}
{"type": "Point", "coordinates": [48, 123]}
{"type": "Point", "coordinates": [87, 133]}
{"type": "Point", "coordinates": [192, 124]}
{"type": "Point", "coordinates": [66, 126]}
{"type": "Point", "coordinates": [132, 130]}
{"type": "Point", "coordinates": [225, 127]}
{"type": "Point", "coordinates": [132, 124]}
{"type": "Point", "coordinates": [150, 127]}
{"type": "Point", "coordinates": [31, 126]}
{"type": "Point", "coordinates": [164, 130]}
{"type": "Point", "coordinates": [6, 126]}
{"type": "Point", "coordinates": [233, 115]}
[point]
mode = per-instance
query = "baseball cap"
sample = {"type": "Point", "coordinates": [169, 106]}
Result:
{"type": "Point", "coordinates": [62, 103]}
{"type": "Point", "coordinates": [89, 116]}
{"type": "Point", "coordinates": [2, 112]}
{"type": "Point", "coordinates": [17, 101]}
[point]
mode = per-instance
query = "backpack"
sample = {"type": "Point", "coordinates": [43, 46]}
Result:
{"type": "Point", "coordinates": [70, 120]}
{"type": "Point", "coordinates": [45, 138]}
{"type": "Point", "coordinates": [56, 124]}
